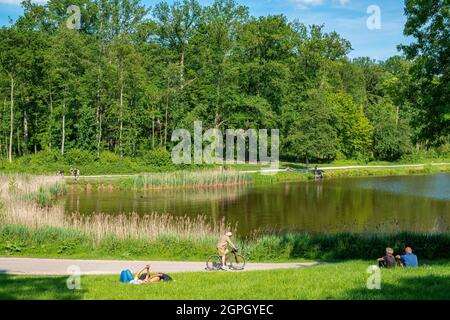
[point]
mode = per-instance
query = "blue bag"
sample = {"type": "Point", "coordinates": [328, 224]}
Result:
{"type": "Point", "coordinates": [126, 276]}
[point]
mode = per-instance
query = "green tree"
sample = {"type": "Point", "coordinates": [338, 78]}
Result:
{"type": "Point", "coordinates": [312, 134]}
{"type": "Point", "coordinates": [391, 137]}
{"type": "Point", "coordinates": [354, 129]}
{"type": "Point", "coordinates": [65, 63]}
{"type": "Point", "coordinates": [428, 22]}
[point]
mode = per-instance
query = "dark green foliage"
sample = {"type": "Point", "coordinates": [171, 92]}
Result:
{"type": "Point", "coordinates": [131, 76]}
{"type": "Point", "coordinates": [392, 138]}
{"type": "Point", "coordinates": [158, 159]}
{"type": "Point", "coordinates": [429, 24]}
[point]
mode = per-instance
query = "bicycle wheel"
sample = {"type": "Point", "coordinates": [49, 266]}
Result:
{"type": "Point", "coordinates": [237, 262]}
{"type": "Point", "coordinates": [214, 263]}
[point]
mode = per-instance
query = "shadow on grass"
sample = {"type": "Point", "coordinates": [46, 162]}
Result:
{"type": "Point", "coordinates": [430, 287]}
{"type": "Point", "coordinates": [35, 287]}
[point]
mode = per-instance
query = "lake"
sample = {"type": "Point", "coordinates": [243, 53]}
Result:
{"type": "Point", "coordinates": [389, 204]}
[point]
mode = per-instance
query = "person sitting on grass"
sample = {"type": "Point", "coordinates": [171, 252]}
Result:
{"type": "Point", "coordinates": [222, 248]}
{"type": "Point", "coordinates": [409, 259]}
{"type": "Point", "coordinates": [388, 261]}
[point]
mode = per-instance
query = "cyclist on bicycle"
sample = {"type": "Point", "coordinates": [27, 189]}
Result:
{"type": "Point", "coordinates": [222, 247]}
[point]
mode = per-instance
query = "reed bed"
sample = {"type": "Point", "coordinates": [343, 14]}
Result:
{"type": "Point", "coordinates": [188, 179]}
{"type": "Point", "coordinates": [24, 184]}
{"type": "Point", "coordinates": [123, 226]}
{"type": "Point", "coordinates": [147, 227]}
{"type": "Point", "coordinates": [28, 201]}
{"type": "Point", "coordinates": [43, 190]}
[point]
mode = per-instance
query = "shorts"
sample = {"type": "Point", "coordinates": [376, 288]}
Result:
{"type": "Point", "coordinates": [222, 252]}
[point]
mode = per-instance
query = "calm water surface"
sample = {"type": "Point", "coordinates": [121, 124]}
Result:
{"type": "Point", "coordinates": [410, 203]}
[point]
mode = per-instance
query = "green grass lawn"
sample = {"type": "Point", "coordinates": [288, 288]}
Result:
{"type": "Point", "coordinates": [336, 281]}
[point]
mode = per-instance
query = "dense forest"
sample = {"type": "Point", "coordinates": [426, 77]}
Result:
{"type": "Point", "coordinates": [132, 74]}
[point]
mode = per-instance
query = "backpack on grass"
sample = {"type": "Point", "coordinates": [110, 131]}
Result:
{"type": "Point", "coordinates": [126, 276]}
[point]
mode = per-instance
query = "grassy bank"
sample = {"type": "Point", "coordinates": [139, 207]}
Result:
{"type": "Point", "coordinates": [340, 281]}
{"type": "Point", "coordinates": [71, 243]}
{"type": "Point", "coordinates": [217, 178]}
{"type": "Point", "coordinates": [385, 172]}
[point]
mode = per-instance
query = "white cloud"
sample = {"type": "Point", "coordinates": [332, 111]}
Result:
{"type": "Point", "coordinates": [18, 2]}
{"type": "Point", "coordinates": [342, 2]}
{"type": "Point", "coordinates": [303, 4]}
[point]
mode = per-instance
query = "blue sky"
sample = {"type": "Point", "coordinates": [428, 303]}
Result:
{"type": "Point", "coordinates": [347, 17]}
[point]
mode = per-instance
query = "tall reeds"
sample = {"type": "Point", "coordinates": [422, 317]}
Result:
{"type": "Point", "coordinates": [21, 205]}
{"type": "Point", "coordinates": [190, 179]}
{"type": "Point", "coordinates": [24, 184]}
{"type": "Point", "coordinates": [147, 227]}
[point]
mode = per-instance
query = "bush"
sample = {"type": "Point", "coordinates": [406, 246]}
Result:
{"type": "Point", "coordinates": [76, 157]}
{"type": "Point", "coordinates": [158, 159]}
{"type": "Point", "coordinates": [112, 163]}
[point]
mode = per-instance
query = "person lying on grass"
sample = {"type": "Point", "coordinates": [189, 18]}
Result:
{"type": "Point", "coordinates": [222, 248]}
{"type": "Point", "coordinates": [409, 259]}
{"type": "Point", "coordinates": [388, 261]}
{"type": "Point", "coordinates": [144, 276]}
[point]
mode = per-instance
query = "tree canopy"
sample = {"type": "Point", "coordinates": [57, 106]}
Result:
{"type": "Point", "coordinates": [131, 75]}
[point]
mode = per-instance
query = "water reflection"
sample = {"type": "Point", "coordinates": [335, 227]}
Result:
{"type": "Point", "coordinates": [415, 203]}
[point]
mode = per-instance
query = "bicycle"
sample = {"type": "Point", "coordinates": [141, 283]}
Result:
{"type": "Point", "coordinates": [235, 261]}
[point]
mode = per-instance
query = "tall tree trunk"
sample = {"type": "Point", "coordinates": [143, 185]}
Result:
{"type": "Point", "coordinates": [35, 144]}
{"type": "Point", "coordinates": [153, 130]}
{"type": "Point", "coordinates": [182, 67]}
{"type": "Point", "coordinates": [19, 153]}
{"type": "Point", "coordinates": [160, 133]}
{"type": "Point", "coordinates": [4, 131]}
{"type": "Point", "coordinates": [11, 120]}
{"type": "Point", "coordinates": [121, 114]}
{"type": "Point", "coordinates": [166, 120]}
{"type": "Point", "coordinates": [63, 134]}
{"type": "Point", "coordinates": [51, 121]}
{"type": "Point", "coordinates": [98, 113]}
{"type": "Point", "coordinates": [25, 131]}
{"type": "Point", "coordinates": [99, 133]}
{"type": "Point", "coordinates": [218, 93]}
{"type": "Point", "coordinates": [1, 127]}
{"type": "Point", "coordinates": [397, 118]}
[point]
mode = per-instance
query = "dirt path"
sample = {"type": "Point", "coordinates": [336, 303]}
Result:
{"type": "Point", "coordinates": [29, 266]}
{"type": "Point", "coordinates": [268, 170]}
{"type": "Point", "coordinates": [384, 167]}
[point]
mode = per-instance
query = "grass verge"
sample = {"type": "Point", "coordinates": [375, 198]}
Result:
{"type": "Point", "coordinates": [328, 282]}
{"type": "Point", "coordinates": [51, 242]}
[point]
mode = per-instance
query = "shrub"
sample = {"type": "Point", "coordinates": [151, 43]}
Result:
{"type": "Point", "coordinates": [158, 159]}
{"type": "Point", "coordinates": [76, 157]}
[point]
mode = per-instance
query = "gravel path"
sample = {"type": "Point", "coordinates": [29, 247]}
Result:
{"type": "Point", "coordinates": [29, 266]}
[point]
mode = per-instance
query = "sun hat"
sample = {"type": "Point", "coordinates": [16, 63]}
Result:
{"type": "Point", "coordinates": [228, 234]}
